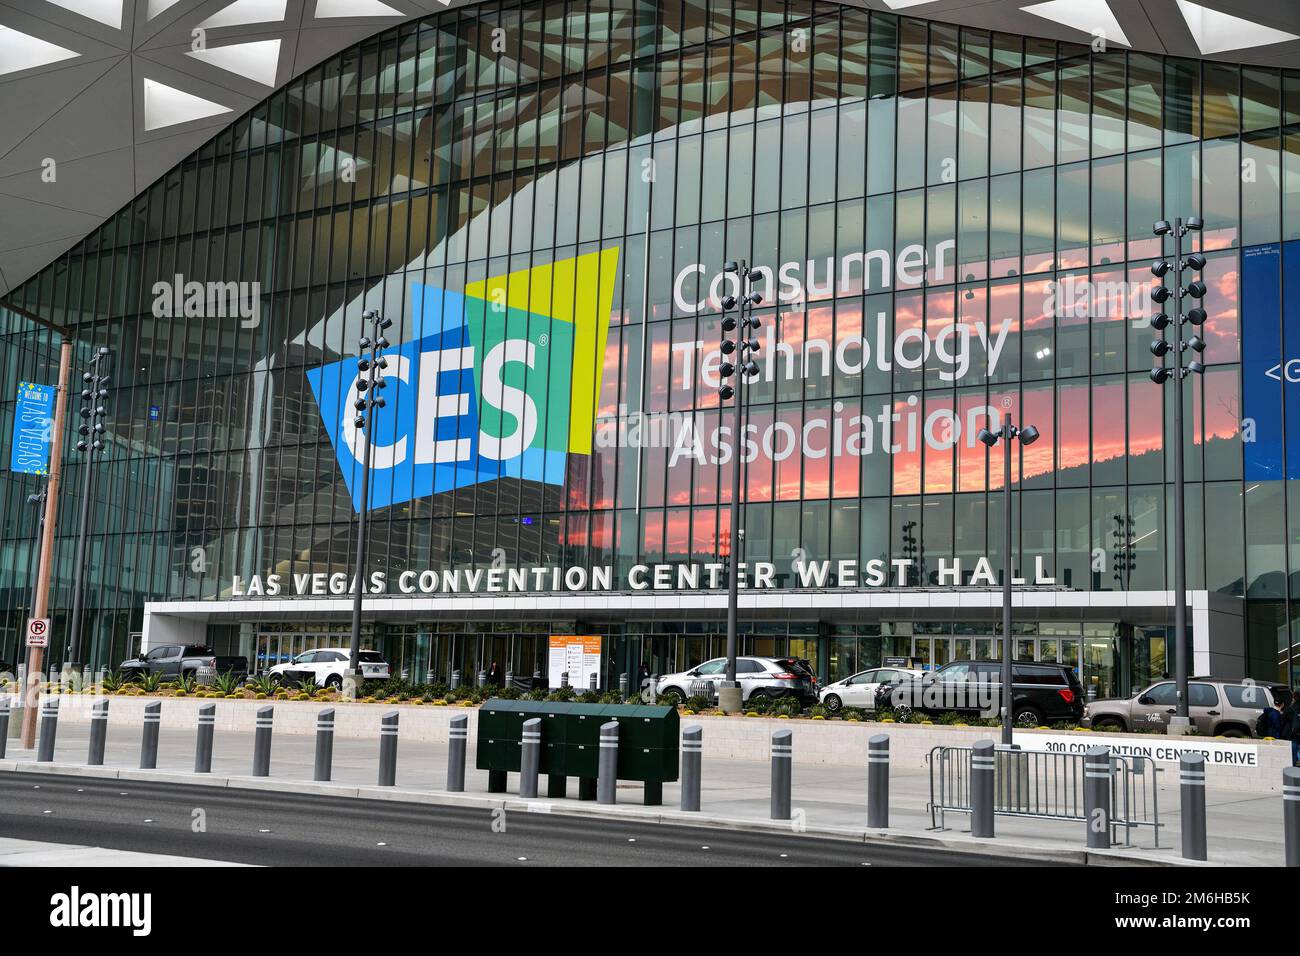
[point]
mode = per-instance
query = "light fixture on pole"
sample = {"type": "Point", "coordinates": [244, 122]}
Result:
{"type": "Point", "coordinates": [738, 366]}
{"type": "Point", "coordinates": [94, 391]}
{"type": "Point", "coordinates": [1162, 347]}
{"type": "Point", "coordinates": [370, 382]}
{"type": "Point", "coordinates": [1006, 434]}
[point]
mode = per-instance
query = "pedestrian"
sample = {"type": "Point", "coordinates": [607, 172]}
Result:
{"type": "Point", "coordinates": [1269, 723]}
{"type": "Point", "coordinates": [1291, 726]}
{"type": "Point", "coordinates": [495, 676]}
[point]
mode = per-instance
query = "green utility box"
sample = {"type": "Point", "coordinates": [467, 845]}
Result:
{"type": "Point", "coordinates": [647, 741]}
{"type": "Point", "coordinates": [500, 735]}
{"type": "Point", "coordinates": [582, 740]}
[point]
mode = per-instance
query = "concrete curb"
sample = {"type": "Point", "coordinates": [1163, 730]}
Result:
{"type": "Point", "coordinates": [1028, 852]}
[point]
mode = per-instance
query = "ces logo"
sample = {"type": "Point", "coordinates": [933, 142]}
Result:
{"type": "Point", "coordinates": [500, 381]}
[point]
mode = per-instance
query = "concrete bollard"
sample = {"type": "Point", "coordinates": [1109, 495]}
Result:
{"type": "Point", "coordinates": [1191, 774]}
{"type": "Point", "coordinates": [49, 729]}
{"type": "Point", "coordinates": [98, 733]}
{"type": "Point", "coordinates": [457, 742]}
{"type": "Point", "coordinates": [593, 683]}
{"type": "Point", "coordinates": [1291, 813]}
{"type": "Point", "coordinates": [149, 735]}
{"type": "Point", "coordinates": [623, 686]}
{"type": "Point", "coordinates": [4, 725]}
{"type": "Point", "coordinates": [982, 771]}
{"type": "Point", "coordinates": [564, 679]}
{"type": "Point", "coordinates": [324, 767]}
{"type": "Point", "coordinates": [530, 759]}
{"type": "Point", "coordinates": [692, 756]}
{"type": "Point", "coordinates": [480, 679]}
{"type": "Point", "coordinates": [782, 757]}
{"type": "Point", "coordinates": [203, 744]}
{"type": "Point", "coordinates": [1096, 796]}
{"type": "Point", "coordinates": [607, 767]}
{"type": "Point", "coordinates": [509, 681]}
{"type": "Point", "coordinates": [878, 782]}
{"type": "Point", "coordinates": [455, 680]}
{"type": "Point", "coordinates": [262, 742]}
{"type": "Point", "coordinates": [388, 749]}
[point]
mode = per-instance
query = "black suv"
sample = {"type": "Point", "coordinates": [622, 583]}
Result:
{"type": "Point", "coordinates": [1042, 693]}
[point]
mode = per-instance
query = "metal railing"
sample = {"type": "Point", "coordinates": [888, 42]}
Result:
{"type": "Point", "coordinates": [1046, 786]}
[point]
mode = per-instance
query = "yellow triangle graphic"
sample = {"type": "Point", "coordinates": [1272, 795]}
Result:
{"type": "Point", "coordinates": [579, 291]}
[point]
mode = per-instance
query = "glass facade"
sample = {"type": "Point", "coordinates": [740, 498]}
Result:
{"type": "Point", "coordinates": [950, 225]}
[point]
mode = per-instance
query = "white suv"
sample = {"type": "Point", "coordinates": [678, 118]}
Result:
{"type": "Point", "coordinates": [326, 666]}
{"type": "Point", "coordinates": [758, 677]}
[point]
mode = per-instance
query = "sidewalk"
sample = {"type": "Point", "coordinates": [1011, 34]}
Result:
{"type": "Point", "coordinates": [32, 853]}
{"type": "Point", "coordinates": [1245, 829]}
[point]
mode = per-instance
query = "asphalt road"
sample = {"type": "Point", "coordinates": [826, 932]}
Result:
{"type": "Point", "coordinates": [287, 829]}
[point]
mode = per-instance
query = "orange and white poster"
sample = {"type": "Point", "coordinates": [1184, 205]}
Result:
{"type": "Point", "coordinates": [578, 655]}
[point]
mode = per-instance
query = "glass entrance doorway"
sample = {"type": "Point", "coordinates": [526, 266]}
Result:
{"type": "Point", "coordinates": [934, 652]}
{"type": "Point", "coordinates": [929, 653]}
{"type": "Point", "coordinates": [280, 648]}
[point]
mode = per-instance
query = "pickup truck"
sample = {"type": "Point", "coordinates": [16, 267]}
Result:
{"type": "Point", "coordinates": [175, 660]}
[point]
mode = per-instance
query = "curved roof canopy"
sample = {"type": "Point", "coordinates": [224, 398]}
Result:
{"type": "Point", "coordinates": [99, 98]}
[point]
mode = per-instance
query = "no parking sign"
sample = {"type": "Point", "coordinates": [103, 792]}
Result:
{"type": "Point", "coordinates": [38, 632]}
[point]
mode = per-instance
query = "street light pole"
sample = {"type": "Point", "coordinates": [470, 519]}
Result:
{"type": "Point", "coordinates": [1196, 289]}
{"type": "Point", "coordinates": [45, 570]}
{"type": "Point", "coordinates": [1027, 435]}
{"type": "Point", "coordinates": [92, 440]}
{"type": "Point", "coordinates": [369, 383]}
{"type": "Point", "coordinates": [743, 368]}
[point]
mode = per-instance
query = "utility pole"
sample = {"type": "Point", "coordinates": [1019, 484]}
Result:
{"type": "Point", "coordinates": [370, 383]}
{"type": "Point", "coordinates": [1180, 723]}
{"type": "Point", "coordinates": [91, 442]}
{"type": "Point", "coordinates": [36, 655]}
{"type": "Point", "coordinates": [1027, 435]}
{"type": "Point", "coordinates": [737, 362]}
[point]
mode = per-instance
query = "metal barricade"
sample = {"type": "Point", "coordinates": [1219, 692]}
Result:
{"type": "Point", "coordinates": [1046, 786]}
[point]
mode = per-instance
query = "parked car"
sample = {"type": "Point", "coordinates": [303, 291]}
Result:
{"type": "Point", "coordinates": [758, 676]}
{"type": "Point", "coordinates": [179, 660]}
{"type": "Point", "coordinates": [860, 690]}
{"type": "Point", "coordinates": [1217, 707]}
{"type": "Point", "coordinates": [1041, 693]}
{"type": "Point", "coordinates": [326, 666]}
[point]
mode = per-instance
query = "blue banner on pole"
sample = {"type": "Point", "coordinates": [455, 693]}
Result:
{"type": "Point", "coordinates": [1263, 366]}
{"type": "Point", "coordinates": [33, 429]}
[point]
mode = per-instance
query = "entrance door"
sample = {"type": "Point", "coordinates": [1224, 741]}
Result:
{"type": "Point", "coordinates": [497, 652]}
{"type": "Point", "coordinates": [933, 652]}
{"type": "Point", "coordinates": [271, 649]}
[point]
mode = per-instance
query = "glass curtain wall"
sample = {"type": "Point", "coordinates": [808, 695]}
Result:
{"type": "Point", "coordinates": [953, 224]}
